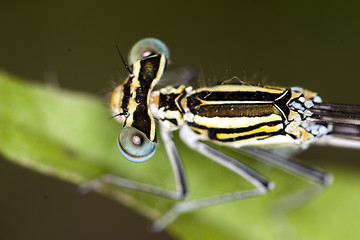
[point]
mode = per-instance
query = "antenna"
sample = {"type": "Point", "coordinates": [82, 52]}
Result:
{"type": "Point", "coordinates": [119, 114]}
{"type": "Point", "coordinates": [126, 66]}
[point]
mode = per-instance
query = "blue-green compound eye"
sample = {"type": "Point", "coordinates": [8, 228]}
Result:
{"type": "Point", "coordinates": [147, 47]}
{"type": "Point", "coordinates": [134, 145]}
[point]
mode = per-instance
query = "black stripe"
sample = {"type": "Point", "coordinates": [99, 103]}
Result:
{"type": "Point", "coordinates": [167, 101]}
{"type": "Point", "coordinates": [172, 120]}
{"type": "Point", "coordinates": [142, 119]}
{"type": "Point", "coordinates": [149, 69]}
{"type": "Point", "coordinates": [282, 103]}
{"type": "Point", "coordinates": [192, 102]}
{"type": "Point", "coordinates": [126, 94]}
{"type": "Point", "coordinates": [234, 110]}
{"type": "Point", "coordinates": [236, 96]}
{"type": "Point", "coordinates": [148, 72]}
{"type": "Point", "coordinates": [183, 94]}
{"type": "Point", "coordinates": [235, 130]}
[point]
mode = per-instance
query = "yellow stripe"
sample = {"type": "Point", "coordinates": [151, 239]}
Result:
{"type": "Point", "coordinates": [154, 82]}
{"type": "Point", "coordinates": [135, 84]}
{"type": "Point", "coordinates": [205, 102]}
{"type": "Point", "coordinates": [241, 88]}
{"type": "Point", "coordinates": [266, 129]}
{"type": "Point", "coordinates": [234, 122]}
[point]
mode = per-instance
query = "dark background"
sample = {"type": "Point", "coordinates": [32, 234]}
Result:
{"type": "Point", "coordinates": [314, 45]}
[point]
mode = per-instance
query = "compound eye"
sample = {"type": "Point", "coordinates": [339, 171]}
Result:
{"type": "Point", "coordinates": [134, 145]}
{"type": "Point", "coordinates": [147, 47]}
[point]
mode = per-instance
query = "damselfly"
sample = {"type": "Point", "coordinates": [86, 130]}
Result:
{"type": "Point", "coordinates": [258, 120]}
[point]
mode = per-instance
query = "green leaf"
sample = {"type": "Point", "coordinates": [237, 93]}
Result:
{"type": "Point", "coordinates": [69, 136]}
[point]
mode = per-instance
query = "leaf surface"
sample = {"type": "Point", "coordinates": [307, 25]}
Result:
{"type": "Point", "coordinates": [69, 136]}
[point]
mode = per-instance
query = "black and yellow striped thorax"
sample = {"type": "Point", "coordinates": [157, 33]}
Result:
{"type": "Point", "coordinates": [130, 101]}
{"type": "Point", "coordinates": [237, 115]}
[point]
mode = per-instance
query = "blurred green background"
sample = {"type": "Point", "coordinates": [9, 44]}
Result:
{"type": "Point", "coordinates": [314, 45]}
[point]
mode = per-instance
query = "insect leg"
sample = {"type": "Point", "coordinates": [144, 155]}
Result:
{"type": "Point", "coordinates": [279, 219]}
{"type": "Point", "coordinates": [311, 173]}
{"type": "Point", "coordinates": [262, 185]}
{"type": "Point", "coordinates": [176, 164]}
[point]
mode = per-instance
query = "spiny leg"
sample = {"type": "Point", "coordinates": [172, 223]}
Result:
{"type": "Point", "coordinates": [295, 199]}
{"type": "Point", "coordinates": [176, 164]}
{"type": "Point", "coordinates": [261, 183]}
{"type": "Point", "coordinates": [311, 173]}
